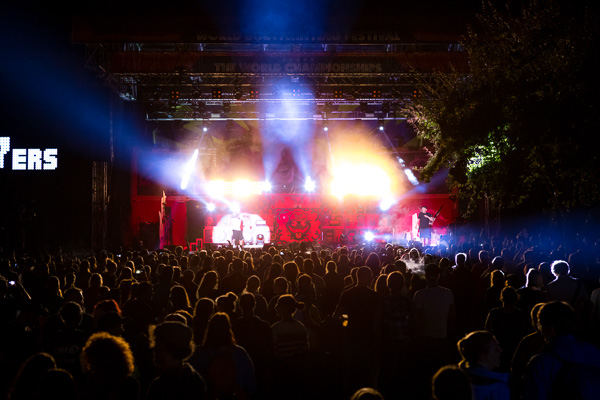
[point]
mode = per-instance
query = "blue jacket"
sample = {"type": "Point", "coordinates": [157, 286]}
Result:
{"type": "Point", "coordinates": [488, 385]}
{"type": "Point", "coordinates": [542, 370]}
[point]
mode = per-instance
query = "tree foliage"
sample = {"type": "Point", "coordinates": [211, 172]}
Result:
{"type": "Point", "coordinates": [521, 124]}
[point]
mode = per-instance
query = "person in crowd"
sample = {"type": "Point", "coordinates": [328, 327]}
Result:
{"type": "Point", "coordinates": [172, 345]}
{"type": "Point", "coordinates": [255, 336]}
{"type": "Point", "coordinates": [226, 367]}
{"type": "Point", "coordinates": [290, 343]}
{"type": "Point", "coordinates": [508, 324]}
{"type": "Point", "coordinates": [235, 282]}
{"type": "Point", "coordinates": [451, 383]}
{"type": "Point", "coordinates": [397, 353]}
{"type": "Point", "coordinates": [334, 286]}
{"type": "Point", "coordinates": [363, 310]}
{"type": "Point", "coordinates": [253, 287]}
{"type": "Point", "coordinates": [205, 307]}
{"type": "Point", "coordinates": [531, 345]}
{"type": "Point", "coordinates": [533, 292]}
{"type": "Point", "coordinates": [107, 363]}
{"type": "Point", "coordinates": [566, 368]}
{"type": "Point", "coordinates": [208, 286]}
{"type": "Point", "coordinates": [566, 288]}
{"type": "Point", "coordinates": [481, 355]}
{"type": "Point", "coordinates": [366, 394]}
{"type": "Point", "coordinates": [25, 384]}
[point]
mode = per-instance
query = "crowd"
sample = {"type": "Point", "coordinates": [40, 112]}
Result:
{"type": "Point", "coordinates": [482, 318]}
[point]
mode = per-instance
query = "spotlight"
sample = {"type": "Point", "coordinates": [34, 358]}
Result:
{"type": "Point", "coordinates": [325, 126]}
{"type": "Point", "coordinates": [235, 208]}
{"type": "Point", "coordinates": [205, 126]}
{"type": "Point", "coordinates": [188, 170]}
{"type": "Point", "coordinates": [309, 185]}
{"type": "Point", "coordinates": [266, 186]}
{"type": "Point", "coordinates": [369, 236]}
{"type": "Point", "coordinates": [210, 207]}
{"type": "Point", "coordinates": [380, 125]}
{"type": "Point", "coordinates": [386, 203]}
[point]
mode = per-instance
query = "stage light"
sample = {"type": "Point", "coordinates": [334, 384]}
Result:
{"type": "Point", "coordinates": [235, 208]}
{"type": "Point", "coordinates": [411, 176]}
{"type": "Point", "coordinates": [266, 186]}
{"type": "Point", "coordinates": [215, 188]}
{"type": "Point", "coordinates": [386, 203]}
{"type": "Point", "coordinates": [242, 187]}
{"type": "Point", "coordinates": [309, 185]}
{"type": "Point", "coordinates": [216, 93]}
{"type": "Point", "coordinates": [360, 179]}
{"type": "Point", "coordinates": [380, 125]}
{"type": "Point", "coordinates": [188, 170]}
{"type": "Point", "coordinates": [205, 128]}
{"type": "Point", "coordinates": [369, 236]}
{"type": "Point", "coordinates": [325, 126]}
{"type": "Point", "coordinates": [210, 207]}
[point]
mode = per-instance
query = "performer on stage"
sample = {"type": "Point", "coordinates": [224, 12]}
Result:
{"type": "Point", "coordinates": [425, 221]}
{"type": "Point", "coordinates": [237, 226]}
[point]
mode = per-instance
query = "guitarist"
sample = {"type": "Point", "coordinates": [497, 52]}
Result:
{"type": "Point", "coordinates": [425, 221]}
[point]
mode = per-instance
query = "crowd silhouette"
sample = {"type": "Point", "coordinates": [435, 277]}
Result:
{"type": "Point", "coordinates": [474, 318]}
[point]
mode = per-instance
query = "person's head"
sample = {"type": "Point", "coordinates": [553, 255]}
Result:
{"type": "Point", "coordinates": [484, 256]}
{"type": "Point", "coordinates": [308, 266]}
{"type": "Point", "coordinates": [556, 318]}
{"type": "Point", "coordinates": [179, 297]}
{"type": "Point", "coordinates": [218, 332]}
{"type": "Point", "coordinates": [247, 303]}
{"type": "Point", "coordinates": [400, 266]}
{"type": "Point", "coordinates": [29, 375]}
{"type": "Point", "coordinates": [534, 315]}
{"type": "Point", "coordinates": [497, 278]}
{"type": "Point", "coordinates": [509, 296]}
{"type": "Point", "coordinates": [287, 305]}
{"type": "Point", "coordinates": [480, 348]}
{"type": "Point", "coordinates": [107, 358]}
{"type": "Point", "coordinates": [460, 259]}
{"type": "Point", "coordinates": [366, 394]}
{"type": "Point", "coordinates": [95, 280]}
{"type": "Point", "coordinates": [364, 276]}
{"type": "Point", "coordinates": [237, 265]}
{"type": "Point", "coordinates": [560, 268]}
{"type": "Point", "coordinates": [423, 209]}
{"type": "Point", "coordinates": [171, 343]}
{"type": "Point", "coordinates": [253, 284]}
{"type": "Point", "coordinates": [280, 285]}
{"type": "Point", "coordinates": [331, 266]}
{"type": "Point", "coordinates": [395, 282]}
{"type": "Point", "coordinates": [432, 274]}
{"type": "Point", "coordinates": [497, 262]}
{"type": "Point", "coordinates": [226, 303]}
{"type": "Point", "coordinates": [290, 271]}
{"type": "Point", "coordinates": [534, 279]}
{"type": "Point", "coordinates": [451, 383]}
{"type": "Point", "coordinates": [57, 383]}
{"type": "Point", "coordinates": [381, 286]}
{"type": "Point", "coordinates": [71, 314]}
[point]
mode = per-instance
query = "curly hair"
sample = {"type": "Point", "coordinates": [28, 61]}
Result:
{"type": "Point", "coordinates": [108, 356]}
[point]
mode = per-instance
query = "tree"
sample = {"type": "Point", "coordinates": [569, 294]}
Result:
{"type": "Point", "coordinates": [520, 125]}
